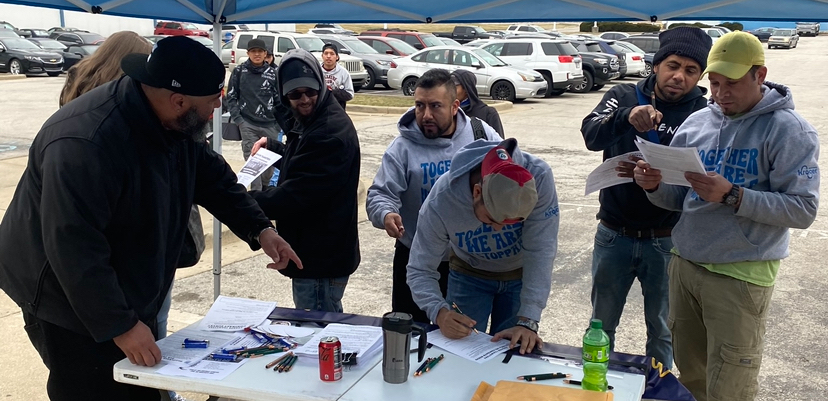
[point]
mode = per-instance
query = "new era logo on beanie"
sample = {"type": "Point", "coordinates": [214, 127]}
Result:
{"type": "Point", "coordinates": [509, 192]}
{"type": "Point", "coordinates": [685, 41]}
{"type": "Point", "coordinates": [179, 64]}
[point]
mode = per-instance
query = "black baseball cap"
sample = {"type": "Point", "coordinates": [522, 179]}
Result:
{"type": "Point", "coordinates": [256, 44]}
{"type": "Point", "coordinates": [179, 64]}
{"type": "Point", "coordinates": [330, 46]}
{"type": "Point", "coordinates": [296, 74]}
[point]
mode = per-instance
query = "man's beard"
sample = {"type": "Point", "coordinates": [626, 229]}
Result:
{"type": "Point", "coordinates": [192, 125]}
{"type": "Point", "coordinates": [439, 133]}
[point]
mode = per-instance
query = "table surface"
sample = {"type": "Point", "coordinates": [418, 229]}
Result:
{"type": "Point", "coordinates": [454, 378]}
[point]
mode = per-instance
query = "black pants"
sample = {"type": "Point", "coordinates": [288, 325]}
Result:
{"type": "Point", "coordinates": [79, 367]}
{"type": "Point", "coordinates": [401, 300]}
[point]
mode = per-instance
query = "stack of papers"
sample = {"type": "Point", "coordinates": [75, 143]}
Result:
{"type": "Point", "coordinates": [476, 347]}
{"type": "Point", "coordinates": [366, 341]}
{"type": "Point", "coordinates": [235, 314]}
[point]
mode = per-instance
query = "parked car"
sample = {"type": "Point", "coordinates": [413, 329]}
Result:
{"type": "Point", "coordinates": [604, 46]}
{"type": "Point", "coordinates": [75, 53]}
{"type": "Point", "coordinates": [338, 28]}
{"type": "Point", "coordinates": [77, 38]}
{"type": "Point", "coordinates": [650, 43]}
{"type": "Point", "coordinates": [467, 33]}
{"type": "Point", "coordinates": [478, 42]}
{"type": "Point", "coordinates": [524, 28]}
{"type": "Point", "coordinates": [786, 38]}
{"type": "Point", "coordinates": [20, 56]}
{"type": "Point", "coordinates": [9, 26]}
{"type": "Point", "coordinates": [48, 44]}
{"type": "Point", "coordinates": [557, 60]}
{"type": "Point", "coordinates": [613, 35]}
{"type": "Point", "coordinates": [281, 42]}
{"type": "Point", "coordinates": [763, 33]}
{"type": "Point", "coordinates": [33, 33]}
{"type": "Point", "coordinates": [648, 57]}
{"type": "Point", "coordinates": [714, 33]}
{"type": "Point", "coordinates": [807, 28]}
{"type": "Point", "coordinates": [8, 33]}
{"type": "Point", "coordinates": [599, 69]}
{"type": "Point", "coordinates": [178, 29]}
{"type": "Point", "coordinates": [386, 45]}
{"type": "Point", "coordinates": [376, 64]}
{"type": "Point", "coordinates": [64, 29]}
{"type": "Point", "coordinates": [418, 40]}
{"type": "Point", "coordinates": [449, 41]}
{"type": "Point", "coordinates": [227, 54]}
{"type": "Point", "coordinates": [495, 78]}
{"type": "Point", "coordinates": [228, 32]}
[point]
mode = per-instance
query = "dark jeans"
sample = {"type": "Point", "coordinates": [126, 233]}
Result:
{"type": "Point", "coordinates": [79, 367]}
{"type": "Point", "coordinates": [401, 299]}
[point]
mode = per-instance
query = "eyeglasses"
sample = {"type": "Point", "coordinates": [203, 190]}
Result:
{"type": "Point", "coordinates": [296, 95]}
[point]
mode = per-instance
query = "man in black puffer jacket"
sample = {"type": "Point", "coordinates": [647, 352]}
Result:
{"type": "Point", "coordinates": [315, 201]}
{"type": "Point", "coordinates": [634, 236]}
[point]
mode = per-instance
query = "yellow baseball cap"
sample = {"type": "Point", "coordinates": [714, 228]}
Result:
{"type": "Point", "coordinates": [734, 54]}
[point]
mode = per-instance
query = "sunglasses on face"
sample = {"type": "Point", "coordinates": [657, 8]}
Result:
{"type": "Point", "coordinates": [296, 94]}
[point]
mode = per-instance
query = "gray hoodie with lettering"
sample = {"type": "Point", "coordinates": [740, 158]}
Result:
{"type": "Point", "coordinates": [410, 167]}
{"type": "Point", "coordinates": [447, 219]}
{"type": "Point", "coordinates": [770, 151]}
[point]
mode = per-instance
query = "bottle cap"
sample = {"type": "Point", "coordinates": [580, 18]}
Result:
{"type": "Point", "coordinates": [596, 324]}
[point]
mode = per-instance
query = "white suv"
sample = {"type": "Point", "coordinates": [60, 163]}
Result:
{"type": "Point", "coordinates": [281, 42]}
{"type": "Point", "coordinates": [557, 60]}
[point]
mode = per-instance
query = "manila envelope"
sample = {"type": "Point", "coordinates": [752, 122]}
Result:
{"type": "Point", "coordinates": [508, 391]}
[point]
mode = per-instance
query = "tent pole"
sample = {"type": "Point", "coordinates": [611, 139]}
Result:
{"type": "Point", "coordinates": [217, 122]}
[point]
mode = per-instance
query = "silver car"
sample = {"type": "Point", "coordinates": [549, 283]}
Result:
{"type": "Point", "coordinates": [494, 77]}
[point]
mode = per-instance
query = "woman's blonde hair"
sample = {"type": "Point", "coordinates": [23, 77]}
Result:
{"type": "Point", "coordinates": [102, 66]}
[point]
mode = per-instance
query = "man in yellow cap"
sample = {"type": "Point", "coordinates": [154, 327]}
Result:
{"type": "Point", "coordinates": [762, 179]}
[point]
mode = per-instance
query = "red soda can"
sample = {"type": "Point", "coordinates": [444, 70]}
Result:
{"type": "Point", "coordinates": [330, 359]}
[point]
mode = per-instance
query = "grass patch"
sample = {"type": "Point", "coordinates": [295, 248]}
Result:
{"type": "Point", "coordinates": [383, 101]}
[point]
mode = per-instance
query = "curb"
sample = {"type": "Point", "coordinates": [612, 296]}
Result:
{"type": "Point", "coordinates": [10, 77]}
{"type": "Point", "coordinates": [359, 108]}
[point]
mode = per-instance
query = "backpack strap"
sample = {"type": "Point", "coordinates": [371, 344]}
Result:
{"type": "Point", "coordinates": [477, 126]}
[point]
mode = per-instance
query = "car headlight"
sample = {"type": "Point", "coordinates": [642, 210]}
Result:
{"type": "Point", "coordinates": [383, 63]}
{"type": "Point", "coordinates": [601, 61]}
{"type": "Point", "coordinates": [32, 58]}
{"type": "Point", "coordinates": [526, 77]}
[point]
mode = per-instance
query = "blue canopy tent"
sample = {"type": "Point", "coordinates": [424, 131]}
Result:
{"type": "Point", "coordinates": [218, 12]}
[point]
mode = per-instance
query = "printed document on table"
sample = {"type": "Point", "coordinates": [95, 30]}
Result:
{"type": "Point", "coordinates": [173, 354]}
{"type": "Point", "coordinates": [476, 347]}
{"type": "Point", "coordinates": [256, 165]}
{"type": "Point", "coordinates": [205, 369]}
{"type": "Point", "coordinates": [366, 341]}
{"type": "Point", "coordinates": [605, 176]}
{"type": "Point", "coordinates": [234, 314]}
{"type": "Point", "coordinates": [673, 162]}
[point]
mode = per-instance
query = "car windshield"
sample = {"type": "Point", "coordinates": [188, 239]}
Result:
{"type": "Point", "coordinates": [91, 37]}
{"type": "Point", "coordinates": [311, 44]}
{"type": "Point", "coordinates": [402, 46]}
{"type": "Point", "coordinates": [431, 40]}
{"type": "Point", "coordinates": [450, 42]}
{"type": "Point", "coordinates": [537, 28]}
{"type": "Point", "coordinates": [782, 32]}
{"type": "Point", "coordinates": [6, 25]}
{"type": "Point", "coordinates": [90, 48]}
{"type": "Point", "coordinates": [617, 48]}
{"type": "Point", "coordinates": [19, 44]}
{"type": "Point", "coordinates": [478, 29]}
{"type": "Point", "coordinates": [39, 32]}
{"type": "Point", "coordinates": [190, 27]}
{"type": "Point", "coordinates": [51, 44]}
{"type": "Point", "coordinates": [359, 46]}
{"type": "Point", "coordinates": [630, 47]}
{"type": "Point", "coordinates": [593, 47]}
{"type": "Point", "coordinates": [489, 58]}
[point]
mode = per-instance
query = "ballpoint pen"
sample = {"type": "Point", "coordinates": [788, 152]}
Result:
{"type": "Point", "coordinates": [456, 308]}
{"type": "Point", "coordinates": [544, 376]}
{"type": "Point", "coordinates": [578, 383]}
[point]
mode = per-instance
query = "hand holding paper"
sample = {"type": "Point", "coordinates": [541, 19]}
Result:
{"type": "Point", "coordinates": [670, 161]}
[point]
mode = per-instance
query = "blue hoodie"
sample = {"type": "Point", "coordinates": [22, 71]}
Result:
{"type": "Point", "coordinates": [447, 219]}
{"type": "Point", "coordinates": [410, 167]}
{"type": "Point", "coordinates": [770, 151]}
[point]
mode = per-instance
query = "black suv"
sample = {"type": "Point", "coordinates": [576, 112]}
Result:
{"type": "Point", "coordinates": [605, 46]}
{"type": "Point", "coordinates": [20, 56]}
{"type": "Point", "coordinates": [599, 68]}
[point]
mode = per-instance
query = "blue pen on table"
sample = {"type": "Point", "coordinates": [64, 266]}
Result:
{"type": "Point", "coordinates": [233, 350]}
{"type": "Point", "coordinates": [224, 357]}
{"type": "Point", "coordinates": [194, 345]}
{"type": "Point", "coordinates": [189, 340]}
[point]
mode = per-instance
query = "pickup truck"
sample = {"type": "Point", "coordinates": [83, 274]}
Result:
{"type": "Point", "coordinates": [807, 28]}
{"type": "Point", "coordinates": [466, 33]}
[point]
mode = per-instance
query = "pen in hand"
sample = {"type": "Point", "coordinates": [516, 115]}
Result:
{"type": "Point", "coordinates": [457, 309]}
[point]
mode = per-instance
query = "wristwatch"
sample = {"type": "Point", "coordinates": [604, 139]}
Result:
{"type": "Point", "coordinates": [528, 323]}
{"type": "Point", "coordinates": [731, 198]}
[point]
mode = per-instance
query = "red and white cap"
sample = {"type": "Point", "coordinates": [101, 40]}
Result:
{"type": "Point", "coordinates": [509, 191]}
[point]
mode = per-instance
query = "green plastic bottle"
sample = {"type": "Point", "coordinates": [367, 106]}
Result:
{"type": "Point", "coordinates": [596, 357]}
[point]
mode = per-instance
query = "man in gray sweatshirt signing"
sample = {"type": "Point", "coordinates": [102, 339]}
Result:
{"type": "Point", "coordinates": [497, 212]}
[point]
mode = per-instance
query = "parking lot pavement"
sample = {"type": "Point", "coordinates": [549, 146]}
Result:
{"type": "Point", "coordinates": [793, 357]}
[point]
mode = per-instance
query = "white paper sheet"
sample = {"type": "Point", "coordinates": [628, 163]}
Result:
{"type": "Point", "coordinates": [605, 176]}
{"type": "Point", "coordinates": [286, 331]}
{"type": "Point", "coordinates": [205, 369]}
{"type": "Point", "coordinates": [673, 162]}
{"type": "Point", "coordinates": [234, 314]}
{"type": "Point", "coordinates": [476, 347]}
{"type": "Point", "coordinates": [365, 340]}
{"type": "Point", "coordinates": [173, 354]}
{"type": "Point", "coordinates": [256, 165]}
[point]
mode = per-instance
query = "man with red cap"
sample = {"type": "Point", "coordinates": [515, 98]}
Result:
{"type": "Point", "coordinates": [496, 211]}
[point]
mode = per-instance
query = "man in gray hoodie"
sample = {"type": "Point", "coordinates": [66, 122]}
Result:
{"type": "Point", "coordinates": [763, 178]}
{"type": "Point", "coordinates": [431, 132]}
{"type": "Point", "coordinates": [497, 212]}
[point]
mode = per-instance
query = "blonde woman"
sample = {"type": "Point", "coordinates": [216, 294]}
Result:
{"type": "Point", "coordinates": [102, 66]}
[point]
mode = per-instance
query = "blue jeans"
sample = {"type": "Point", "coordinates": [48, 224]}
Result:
{"type": "Point", "coordinates": [323, 294]}
{"type": "Point", "coordinates": [616, 262]}
{"type": "Point", "coordinates": [478, 298]}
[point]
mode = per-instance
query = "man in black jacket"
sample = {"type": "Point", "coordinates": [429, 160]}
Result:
{"type": "Point", "coordinates": [315, 201]}
{"type": "Point", "coordinates": [466, 84]}
{"type": "Point", "coordinates": [633, 238]}
{"type": "Point", "coordinates": [254, 104]}
{"type": "Point", "coordinates": [91, 238]}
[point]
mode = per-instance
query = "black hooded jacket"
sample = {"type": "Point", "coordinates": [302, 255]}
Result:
{"type": "Point", "coordinates": [475, 106]}
{"type": "Point", "coordinates": [315, 202]}
{"type": "Point", "coordinates": [91, 239]}
{"type": "Point", "coordinates": [608, 129]}
{"type": "Point", "coordinates": [252, 96]}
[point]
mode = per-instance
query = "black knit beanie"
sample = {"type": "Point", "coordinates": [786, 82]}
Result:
{"type": "Point", "coordinates": [685, 41]}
